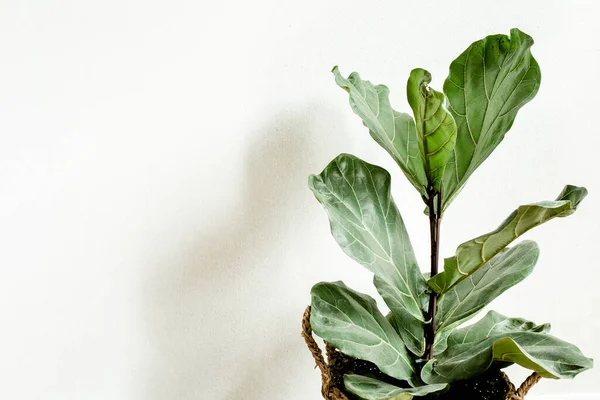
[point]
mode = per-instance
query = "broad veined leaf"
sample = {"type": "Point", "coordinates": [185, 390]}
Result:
{"type": "Point", "coordinates": [435, 126]}
{"type": "Point", "coordinates": [471, 255]}
{"type": "Point", "coordinates": [545, 354]}
{"type": "Point", "coordinates": [373, 389]}
{"type": "Point", "coordinates": [394, 131]}
{"type": "Point", "coordinates": [411, 327]}
{"type": "Point", "coordinates": [473, 349]}
{"type": "Point", "coordinates": [486, 87]}
{"type": "Point", "coordinates": [491, 325]}
{"type": "Point", "coordinates": [367, 225]}
{"type": "Point", "coordinates": [351, 322]}
{"type": "Point", "coordinates": [471, 295]}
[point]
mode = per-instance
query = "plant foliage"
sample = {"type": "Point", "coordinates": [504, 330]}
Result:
{"type": "Point", "coordinates": [438, 147]}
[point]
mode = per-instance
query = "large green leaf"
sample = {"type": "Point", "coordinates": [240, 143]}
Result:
{"type": "Point", "coordinates": [500, 273]}
{"type": "Point", "coordinates": [494, 324]}
{"type": "Point", "coordinates": [495, 338]}
{"type": "Point", "coordinates": [471, 255]}
{"type": "Point", "coordinates": [435, 126]}
{"type": "Point", "coordinates": [486, 87]}
{"type": "Point", "coordinates": [373, 389]}
{"type": "Point", "coordinates": [351, 322]}
{"type": "Point", "coordinates": [394, 131]}
{"type": "Point", "coordinates": [367, 225]}
{"type": "Point", "coordinates": [491, 325]}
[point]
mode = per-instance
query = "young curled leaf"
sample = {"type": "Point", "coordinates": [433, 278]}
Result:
{"type": "Point", "coordinates": [435, 126]}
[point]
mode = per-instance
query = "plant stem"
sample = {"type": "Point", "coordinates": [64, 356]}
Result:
{"type": "Point", "coordinates": [434, 230]}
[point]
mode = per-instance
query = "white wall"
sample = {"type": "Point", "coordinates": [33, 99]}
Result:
{"type": "Point", "coordinates": [157, 237]}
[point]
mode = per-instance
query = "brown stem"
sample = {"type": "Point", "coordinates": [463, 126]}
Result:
{"type": "Point", "coordinates": [434, 230]}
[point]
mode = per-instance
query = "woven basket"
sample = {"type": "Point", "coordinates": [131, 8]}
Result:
{"type": "Point", "coordinates": [331, 392]}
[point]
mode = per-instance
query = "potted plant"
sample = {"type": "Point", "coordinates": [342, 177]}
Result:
{"type": "Point", "coordinates": [421, 349]}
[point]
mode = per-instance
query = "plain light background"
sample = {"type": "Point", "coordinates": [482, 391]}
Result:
{"type": "Point", "coordinates": [157, 237]}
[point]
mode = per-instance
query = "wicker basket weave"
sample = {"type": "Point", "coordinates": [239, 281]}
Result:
{"type": "Point", "coordinates": [331, 392]}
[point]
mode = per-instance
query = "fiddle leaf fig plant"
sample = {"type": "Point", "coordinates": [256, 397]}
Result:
{"type": "Point", "coordinates": [422, 345]}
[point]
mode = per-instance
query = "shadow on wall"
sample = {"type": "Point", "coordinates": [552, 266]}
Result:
{"type": "Point", "coordinates": [207, 307]}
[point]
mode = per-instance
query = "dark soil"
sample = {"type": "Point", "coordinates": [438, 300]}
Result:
{"type": "Point", "coordinates": [490, 385]}
{"type": "Point", "coordinates": [343, 364]}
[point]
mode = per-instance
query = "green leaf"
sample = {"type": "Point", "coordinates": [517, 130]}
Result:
{"type": "Point", "coordinates": [487, 85]}
{"type": "Point", "coordinates": [394, 131]}
{"type": "Point", "coordinates": [493, 324]}
{"type": "Point", "coordinates": [435, 126]}
{"type": "Point", "coordinates": [368, 227]}
{"type": "Point", "coordinates": [502, 272]}
{"type": "Point", "coordinates": [351, 322]}
{"type": "Point", "coordinates": [547, 355]}
{"type": "Point", "coordinates": [471, 255]}
{"type": "Point", "coordinates": [373, 389]}
{"type": "Point", "coordinates": [473, 349]}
